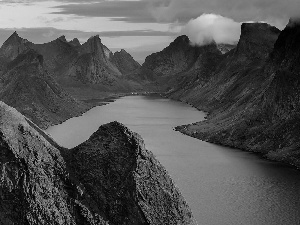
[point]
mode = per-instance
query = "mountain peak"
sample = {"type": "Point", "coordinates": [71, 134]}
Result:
{"type": "Point", "coordinates": [123, 51]}
{"type": "Point", "coordinates": [256, 40]}
{"type": "Point", "coordinates": [75, 42]}
{"type": "Point", "coordinates": [95, 37]}
{"type": "Point", "coordinates": [13, 46]}
{"type": "Point", "coordinates": [287, 47]}
{"type": "Point", "coordinates": [182, 39]}
{"type": "Point", "coordinates": [62, 38]}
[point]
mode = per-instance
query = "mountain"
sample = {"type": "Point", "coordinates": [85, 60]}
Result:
{"type": "Point", "coordinates": [235, 73]}
{"type": "Point", "coordinates": [262, 116]}
{"type": "Point", "coordinates": [179, 56]}
{"type": "Point", "coordinates": [13, 46]}
{"type": "Point", "coordinates": [125, 62]}
{"type": "Point", "coordinates": [109, 179]}
{"type": "Point", "coordinates": [75, 42]}
{"type": "Point", "coordinates": [94, 65]}
{"type": "Point", "coordinates": [72, 65]}
{"type": "Point", "coordinates": [30, 89]}
{"type": "Point", "coordinates": [178, 65]}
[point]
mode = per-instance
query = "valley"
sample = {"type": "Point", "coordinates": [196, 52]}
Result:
{"type": "Point", "coordinates": [104, 173]}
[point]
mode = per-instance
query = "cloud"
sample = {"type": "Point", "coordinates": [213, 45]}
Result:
{"type": "Point", "coordinates": [211, 27]}
{"type": "Point", "coordinates": [240, 10]}
{"type": "Point", "coordinates": [128, 11]}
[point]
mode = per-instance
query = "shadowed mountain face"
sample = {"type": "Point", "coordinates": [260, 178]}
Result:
{"type": "Point", "coordinates": [124, 62]}
{"type": "Point", "coordinates": [109, 179]}
{"type": "Point", "coordinates": [179, 56]}
{"type": "Point", "coordinates": [94, 65]}
{"type": "Point", "coordinates": [254, 106]}
{"type": "Point", "coordinates": [234, 74]}
{"type": "Point", "coordinates": [179, 65]}
{"type": "Point", "coordinates": [29, 88]}
{"type": "Point", "coordinates": [72, 64]}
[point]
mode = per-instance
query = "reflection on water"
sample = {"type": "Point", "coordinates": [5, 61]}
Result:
{"type": "Point", "coordinates": [223, 186]}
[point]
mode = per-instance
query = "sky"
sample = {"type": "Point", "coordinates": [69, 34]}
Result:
{"type": "Point", "coordinates": [141, 27]}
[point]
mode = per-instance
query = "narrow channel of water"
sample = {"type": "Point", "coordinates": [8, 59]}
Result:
{"type": "Point", "coordinates": [223, 186]}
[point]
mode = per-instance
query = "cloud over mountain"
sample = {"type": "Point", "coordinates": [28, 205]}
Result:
{"type": "Point", "coordinates": [211, 27]}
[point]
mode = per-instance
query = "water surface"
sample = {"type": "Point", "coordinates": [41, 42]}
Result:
{"type": "Point", "coordinates": [223, 186]}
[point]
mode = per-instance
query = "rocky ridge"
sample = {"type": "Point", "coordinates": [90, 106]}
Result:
{"type": "Point", "coordinates": [28, 87]}
{"type": "Point", "coordinates": [116, 180]}
{"type": "Point", "coordinates": [256, 108]}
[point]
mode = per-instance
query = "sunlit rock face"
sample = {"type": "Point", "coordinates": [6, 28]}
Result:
{"type": "Point", "coordinates": [109, 179]}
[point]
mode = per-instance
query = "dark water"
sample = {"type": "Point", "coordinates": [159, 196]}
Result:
{"type": "Point", "coordinates": [223, 186]}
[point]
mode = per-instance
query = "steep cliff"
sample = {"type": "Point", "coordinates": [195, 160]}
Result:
{"type": "Point", "coordinates": [179, 56]}
{"type": "Point", "coordinates": [125, 62]}
{"type": "Point", "coordinates": [30, 89]}
{"type": "Point", "coordinates": [109, 179]}
{"type": "Point", "coordinates": [264, 117]}
{"type": "Point", "coordinates": [235, 74]}
{"type": "Point", "coordinates": [94, 65]}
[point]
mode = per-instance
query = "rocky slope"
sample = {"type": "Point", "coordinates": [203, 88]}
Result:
{"type": "Point", "coordinates": [94, 65]}
{"type": "Point", "coordinates": [71, 64]}
{"type": "Point", "coordinates": [258, 111]}
{"type": "Point", "coordinates": [30, 89]}
{"type": "Point", "coordinates": [109, 179]}
{"type": "Point", "coordinates": [178, 65]}
{"type": "Point", "coordinates": [179, 56]}
{"type": "Point", "coordinates": [125, 62]}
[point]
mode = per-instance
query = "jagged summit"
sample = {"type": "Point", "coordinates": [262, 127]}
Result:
{"type": "Point", "coordinates": [75, 42]}
{"type": "Point", "coordinates": [287, 47]}
{"type": "Point", "coordinates": [125, 62]}
{"type": "Point", "coordinates": [256, 40]}
{"type": "Point", "coordinates": [13, 46]}
{"type": "Point", "coordinates": [62, 38]}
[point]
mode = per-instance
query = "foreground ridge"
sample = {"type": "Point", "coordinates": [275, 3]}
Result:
{"type": "Point", "coordinates": [109, 179]}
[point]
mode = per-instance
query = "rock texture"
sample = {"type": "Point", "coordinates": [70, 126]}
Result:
{"type": "Point", "coordinates": [178, 65]}
{"type": "Point", "coordinates": [109, 179]}
{"type": "Point", "coordinates": [125, 62]}
{"type": "Point", "coordinates": [254, 102]}
{"type": "Point", "coordinates": [94, 65]}
{"type": "Point", "coordinates": [179, 56]}
{"type": "Point", "coordinates": [29, 88]}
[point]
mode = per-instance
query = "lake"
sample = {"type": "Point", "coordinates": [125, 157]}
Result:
{"type": "Point", "coordinates": [223, 186]}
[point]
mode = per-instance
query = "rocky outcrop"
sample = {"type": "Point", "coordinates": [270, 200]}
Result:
{"type": "Point", "coordinates": [125, 62]}
{"type": "Point", "coordinates": [109, 179]}
{"type": "Point", "coordinates": [30, 89]}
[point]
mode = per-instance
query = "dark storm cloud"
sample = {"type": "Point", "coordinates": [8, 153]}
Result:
{"type": "Point", "coordinates": [46, 34]}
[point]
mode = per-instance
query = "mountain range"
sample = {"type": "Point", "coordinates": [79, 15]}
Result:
{"type": "Point", "coordinates": [35, 78]}
{"type": "Point", "coordinates": [250, 91]}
